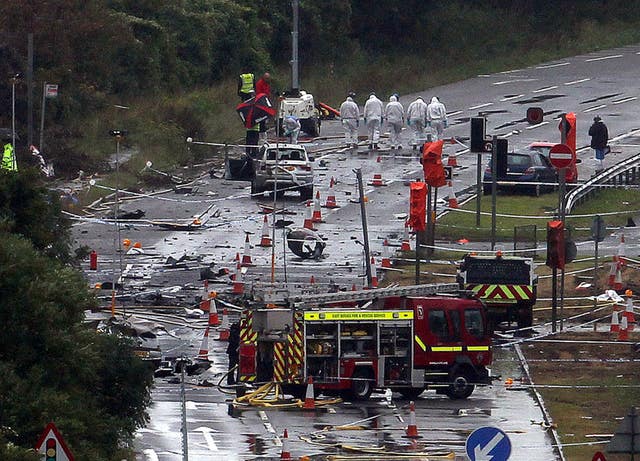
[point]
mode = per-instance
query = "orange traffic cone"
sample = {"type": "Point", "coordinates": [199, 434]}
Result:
{"type": "Point", "coordinates": [238, 284]}
{"type": "Point", "coordinates": [317, 213]}
{"type": "Point", "coordinates": [309, 400]}
{"type": "Point", "coordinates": [623, 333]}
{"type": "Point", "coordinates": [452, 160]}
{"type": "Point", "coordinates": [331, 197]}
{"type": "Point", "coordinates": [204, 299]}
{"type": "Point", "coordinates": [617, 282]}
{"type": "Point", "coordinates": [377, 177]}
{"type": "Point", "coordinates": [374, 273]}
{"type": "Point", "coordinates": [308, 220]}
{"type": "Point", "coordinates": [265, 240]}
{"type": "Point", "coordinates": [453, 201]}
{"type": "Point", "coordinates": [628, 312]}
{"type": "Point", "coordinates": [246, 256]}
{"type": "Point", "coordinates": [612, 273]}
{"type": "Point", "coordinates": [353, 287]}
{"type": "Point", "coordinates": [615, 322]}
{"type": "Point", "coordinates": [405, 239]}
{"type": "Point", "coordinates": [386, 261]}
{"type": "Point", "coordinates": [203, 353]}
{"type": "Point", "coordinates": [224, 327]}
{"type": "Point", "coordinates": [214, 319]}
{"type": "Point", "coordinates": [285, 453]}
{"type": "Point", "coordinates": [412, 428]}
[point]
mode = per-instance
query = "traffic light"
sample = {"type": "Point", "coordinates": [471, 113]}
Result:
{"type": "Point", "coordinates": [478, 134]}
{"type": "Point", "coordinates": [501, 158]}
{"type": "Point", "coordinates": [51, 450]}
{"type": "Point", "coordinates": [555, 244]}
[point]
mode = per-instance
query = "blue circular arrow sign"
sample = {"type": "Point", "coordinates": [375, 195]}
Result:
{"type": "Point", "coordinates": [488, 444]}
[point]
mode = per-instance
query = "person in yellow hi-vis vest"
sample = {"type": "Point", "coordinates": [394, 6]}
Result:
{"type": "Point", "coordinates": [9, 157]}
{"type": "Point", "coordinates": [246, 86]}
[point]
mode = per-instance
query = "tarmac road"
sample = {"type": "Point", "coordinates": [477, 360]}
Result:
{"type": "Point", "coordinates": [584, 84]}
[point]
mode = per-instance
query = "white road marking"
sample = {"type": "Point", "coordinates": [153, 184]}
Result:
{"type": "Point", "coordinates": [549, 66]}
{"type": "Point", "coordinates": [191, 405]}
{"type": "Point", "coordinates": [208, 438]}
{"type": "Point", "coordinates": [533, 127]}
{"type": "Point", "coordinates": [591, 109]}
{"type": "Point", "coordinates": [150, 454]}
{"type": "Point", "coordinates": [451, 114]}
{"type": "Point", "coordinates": [577, 81]}
{"type": "Point", "coordinates": [265, 421]}
{"type": "Point", "coordinates": [515, 80]}
{"type": "Point", "coordinates": [602, 58]}
{"type": "Point", "coordinates": [509, 98]}
{"type": "Point", "coordinates": [480, 105]}
{"type": "Point", "coordinates": [620, 101]}
{"type": "Point", "coordinates": [546, 88]}
{"type": "Point", "coordinates": [510, 71]}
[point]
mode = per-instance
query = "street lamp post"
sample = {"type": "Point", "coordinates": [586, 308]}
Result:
{"type": "Point", "coordinates": [118, 135]}
{"type": "Point", "coordinates": [14, 79]}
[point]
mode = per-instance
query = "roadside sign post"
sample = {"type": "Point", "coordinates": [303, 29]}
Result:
{"type": "Point", "coordinates": [561, 156]}
{"type": "Point", "coordinates": [49, 91]}
{"type": "Point", "coordinates": [52, 445]}
{"type": "Point", "coordinates": [598, 229]}
{"type": "Point", "coordinates": [488, 444]}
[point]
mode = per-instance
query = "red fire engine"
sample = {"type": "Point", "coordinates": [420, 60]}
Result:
{"type": "Point", "coordinates": [407, 339]}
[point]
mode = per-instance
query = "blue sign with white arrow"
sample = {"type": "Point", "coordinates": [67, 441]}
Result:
{"type": "Point", "coordinates": [488, 444]}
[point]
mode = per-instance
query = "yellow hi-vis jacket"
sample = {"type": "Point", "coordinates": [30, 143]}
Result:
{"type": "Point", "coordinates": [247, 81]}
{"type": "Point", "coordinates": [9, 159]}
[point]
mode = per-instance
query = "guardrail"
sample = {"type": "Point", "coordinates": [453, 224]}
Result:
{"type": "Point", "coordinates": [624, 173]}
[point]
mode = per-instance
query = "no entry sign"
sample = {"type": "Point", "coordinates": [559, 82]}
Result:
{"type": "Point", "coordinates": [561, 156]}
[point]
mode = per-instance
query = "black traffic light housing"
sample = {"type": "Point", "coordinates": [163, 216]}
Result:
{"type": "Point", "coordinates": [501, 158]}
{"type": "Point", "coordinates": [478, 134]}
{"type": "Point", "coordinates": [555, 245]}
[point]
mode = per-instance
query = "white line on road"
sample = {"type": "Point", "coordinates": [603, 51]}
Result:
{"type": "Point", "coordinates": [480, 105]}
{"type": "Point", "coordinates": [208, 438]}
{"type": "Point", "coordinates": [515, 80]}
{"type": "Point", "coordinates": [150, 454]}
{"type": "Point", "coordinates": [602, 58]}
{"type": "Point", "coordinates": [510, 71]}
{"type": "Point", "coordinates": [546, 88]}
{"type": "Point", "coordinates": [533, 127]}
{"type": "Point", "coordinates": [451, 114]}
{"type": "Point", "coordinates": [620, 101]}
{"type": "Point", "coordinates": [577, 81]}
{"type": "Point", "coordinates": [509, 98]}
{"type": "Point", "coordinates": [591, 109]}
{"type": "Point", "coordinates": [549, 66]}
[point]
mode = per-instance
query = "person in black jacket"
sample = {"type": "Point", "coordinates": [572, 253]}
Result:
{"type": "Point", "coordinates": [599, 140]}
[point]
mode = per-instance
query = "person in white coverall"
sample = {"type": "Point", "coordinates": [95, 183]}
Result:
{"type": "Point", "coordinates": [291, 127]}
{"type": "Point", "coordinates": [373, 119]}
{"type": "Point", "coordinates": [416, 119]}
{"type": "Point", "coordinates": [394, 114]}
{"type": "Point", "coordinates": [350, 114]}
{"type": "Point", "coordinates": [437, 117]}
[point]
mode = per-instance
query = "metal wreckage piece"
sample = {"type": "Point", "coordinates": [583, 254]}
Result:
{"type": "Point", "coordinates": [305, 243]}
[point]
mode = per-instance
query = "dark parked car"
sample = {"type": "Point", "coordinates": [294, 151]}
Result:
{"type": "Point", "coordinates": [526, 168]}
{"type": "Point", "coordinates": [543, 147]}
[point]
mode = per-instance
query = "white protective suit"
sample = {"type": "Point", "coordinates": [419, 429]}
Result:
{"type": "Point", "coordinates": [373, 119]}
{"type": "Point", "coordinates": [350, 114]}
{"type": "Point", "coordinates": [416, 118]}
{"type": "Point", "coordinates": [437, 117]}
{"type": "Point", "coordinates": [291, 127]}
{"type": "Point", "coordinates": [394, 113]}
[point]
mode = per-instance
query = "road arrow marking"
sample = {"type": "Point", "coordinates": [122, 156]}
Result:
{"type": "Point", "coordinates": [482, 454]}
{"type": "Point", "coordinates": [208, 438]}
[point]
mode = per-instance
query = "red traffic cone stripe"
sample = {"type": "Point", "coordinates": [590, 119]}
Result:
{"type": "Point", "coordinates": [224, 327]}
{"type": "Point", "coordinates": [412, 428]}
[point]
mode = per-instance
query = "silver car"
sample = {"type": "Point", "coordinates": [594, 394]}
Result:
{"type": "Point", "coordinates": [287, 166]}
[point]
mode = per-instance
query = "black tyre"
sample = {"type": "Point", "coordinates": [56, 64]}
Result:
{"type": "Point", "coordinates": [306, 193]}
{"type": "Point", "coordinates": [410, 393]}
{"type": "Point", "coordinates": [361, 384]}
{"type": "Point", "coordinates": [255, 190]}
{"type": "Point", "coordinates": [460, 387]}
{"type": "Point", "coordinates": [525, 317]}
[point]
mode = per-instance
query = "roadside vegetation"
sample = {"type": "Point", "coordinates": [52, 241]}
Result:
{"type": "Point", "coordinates": [54, 367]}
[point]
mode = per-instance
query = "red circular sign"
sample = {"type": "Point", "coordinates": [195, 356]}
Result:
{"type": "Point", "coordinates": [561, 156]}
{"type": "Point", "coordinates": [599, 457]}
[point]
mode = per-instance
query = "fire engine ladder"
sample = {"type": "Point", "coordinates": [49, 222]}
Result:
{"type": "Point", "coordinates": [366, 295]}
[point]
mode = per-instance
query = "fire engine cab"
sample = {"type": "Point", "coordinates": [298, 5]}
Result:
{"type": "Point", "coordinates": [407, 339]}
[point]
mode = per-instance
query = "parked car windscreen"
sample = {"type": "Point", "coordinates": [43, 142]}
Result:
{"type": "Point", "coordinates": [286, 154]}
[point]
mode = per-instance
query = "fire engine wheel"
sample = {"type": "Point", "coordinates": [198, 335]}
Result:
{"type": "Point", "coordinates": [410, 393]}
{"type": "Point", "coordinates": [361, 385]}
{"type": "Point", "coordinates": [460, 387]}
